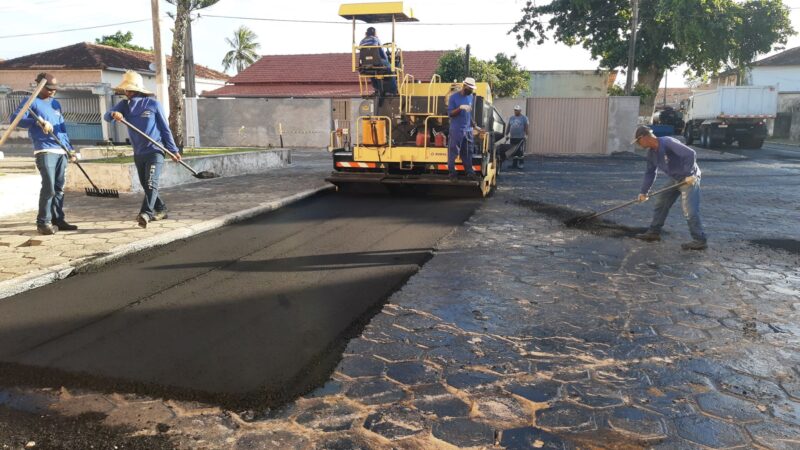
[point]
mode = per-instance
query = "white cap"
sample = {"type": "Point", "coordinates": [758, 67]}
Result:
{"type": "Point", "coordinates": [517, 108]}
{"type": "Point", "coordinates": [469, 82]}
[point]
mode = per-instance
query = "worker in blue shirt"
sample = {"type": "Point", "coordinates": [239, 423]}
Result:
{"type": "Point", "coordinates": [679, 162]}
{"type": "Point", "coordinates": [459, 108]}
{"type": "Point", "coordinates": [371, 40]}
{"type": "Point", "coordinates": [51, 159]}
{"type": "Point", "coordinates": [146, 114]}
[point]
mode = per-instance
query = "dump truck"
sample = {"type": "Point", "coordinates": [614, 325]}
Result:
{"type": "Point", "coordinates": [730, 113]}
{"type": "Point", "coordinates": [399, 138]}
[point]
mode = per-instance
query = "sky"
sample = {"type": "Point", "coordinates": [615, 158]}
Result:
{"type": "Point", "coordinates": [209, 33]}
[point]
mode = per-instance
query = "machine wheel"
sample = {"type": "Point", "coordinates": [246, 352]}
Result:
{"type": "Point", "coordinates": [688, 135]}
{"type": "Point", "coordinates": [757, 144]}
{"type": "Point", "coordinates": [745, 142]}
{"type": "Point", "coordinates": [704, 138]}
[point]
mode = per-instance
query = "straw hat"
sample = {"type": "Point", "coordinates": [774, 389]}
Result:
{"type": "Point", "coordinates": [132, 81]}
{"type": "Point", "coordinates": [469, 82]}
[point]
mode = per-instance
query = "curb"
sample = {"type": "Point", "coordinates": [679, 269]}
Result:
{"type": "Point", "coordinates": [49, 275]}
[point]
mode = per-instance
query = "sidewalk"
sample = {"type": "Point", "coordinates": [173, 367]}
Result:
{"type": "Point", "coordinates": [108, 229]}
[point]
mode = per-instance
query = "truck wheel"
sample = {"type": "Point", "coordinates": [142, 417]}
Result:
{"type": "Point", "coordinates": [745, 143]}
{"type": "Point", "coordinates": [757, 144]}
{"type": "Point", "coordinates": [704, 138]}
{"type": "Point", "coordinates": [688, 135]}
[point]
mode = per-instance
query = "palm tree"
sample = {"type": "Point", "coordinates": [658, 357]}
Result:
{"type": "Point", "coordinates": [244, 49]}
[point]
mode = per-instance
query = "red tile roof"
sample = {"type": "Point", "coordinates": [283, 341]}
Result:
{"type": "Point", "coordinates": [85, 55]}
{"type": "Point", "coordinates": [313, 75]}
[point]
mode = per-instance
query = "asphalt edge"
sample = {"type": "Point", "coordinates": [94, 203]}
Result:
{"type": "Point", "coordinates": [49, 275]}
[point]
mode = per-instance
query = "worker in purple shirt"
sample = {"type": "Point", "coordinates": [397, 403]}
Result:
{"type": "Point", "coordinates": [146, 114]}
{"type": "Point", "coordinates": [462, 122]}
{"type": "Point", "coordinates": [679, 162]}
{"type": "Point", "coordinates": [51, 159]}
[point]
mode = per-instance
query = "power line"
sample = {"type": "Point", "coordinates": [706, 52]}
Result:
{"type": "Point", "coordinates": [331, 22]}
{"type": "Point", "coordinates": [72, 29]}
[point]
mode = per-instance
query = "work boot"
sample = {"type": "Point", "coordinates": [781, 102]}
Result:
{"type": "Point", "coordinates": [64, 226]}
{"type": "Point", "coordinates": [46, 229]}
{"type": "Point", "coordinates": [648, 236]}
{"type": "Point", "coordinates": [514, 164]}
{"type": "Point", "coordinates": [143, 219]}
{"type": "Point", "coordinates": [160, 215]}
{"type": "Point", "coordinates": [452, 176]}
{"type": "Point", "coordinates": [695, 245]}
{"type": "Point", "coordinates": [521, 164]}
{"type": "Point", "coordinates": [473, 177]}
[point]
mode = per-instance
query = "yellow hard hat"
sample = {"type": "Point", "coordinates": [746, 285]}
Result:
{"type": "Point", "coordinates": [132, 81]}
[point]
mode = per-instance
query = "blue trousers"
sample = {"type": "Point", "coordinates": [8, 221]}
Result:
{"type": "Point", "coordinates": [149, 168]}
{"type": "Point", "coordinates": [690, 203]}
{"type": "Point", "coordinates": [460, 144]}
{"type": "Point", "coordinates": [52, 167]}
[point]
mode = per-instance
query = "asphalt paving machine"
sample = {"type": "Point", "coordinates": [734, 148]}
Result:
{"type": "Point", "coordinates": [399, 136]}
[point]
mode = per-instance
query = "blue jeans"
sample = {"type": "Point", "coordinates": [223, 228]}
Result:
{"type": "Point", "coordinates": [52, 167]}
{"type": "Point", "coordinates": [460, 144]}
{"type": "Point", "coordinates": [690, 203]}
{"type": "Point", "coordinates": [149, 169]}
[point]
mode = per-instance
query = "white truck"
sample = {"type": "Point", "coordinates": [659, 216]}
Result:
{"type": "Point", "coordinates": [730, 113]}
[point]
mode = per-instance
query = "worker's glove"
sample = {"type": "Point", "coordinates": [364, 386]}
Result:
{"type": "Point", "coordinates": [690, 180]}
{"type": "Point", "coordinates": [643, 198]}
{"type": "Point", "coordinates": [466, 108]}
{"type": "Point", "coordinates": [116, 115]}
{"type": "Point", "coordinates": [46, 126]}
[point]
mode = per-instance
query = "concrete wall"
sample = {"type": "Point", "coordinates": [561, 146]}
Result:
{"type": "Point", "coordinates": [123, 177]}
{"type": "Point", "coordinates": [23, 80]}
{"type": "Point", "coordinates": [569, 83]}
{"type": "Point", "coordinates": [505, 106]}
{"type": "Point", "coordinates": [785, 78]}
{"type": "Point", "coordinates": [253, 122]}
{"type": "Point", "coordinates": [623, 114]}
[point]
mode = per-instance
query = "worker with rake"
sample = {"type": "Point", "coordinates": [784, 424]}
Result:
{"type": "Point", "coordinates": [679, 162]}
{"type": "Point", "coordinates": [51, 159]}
{"type": "Point", "coordinates": [146, 114]}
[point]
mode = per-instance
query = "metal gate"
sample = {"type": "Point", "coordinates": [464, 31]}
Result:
{"type": "Point", "coordinates": [340, 113]}
{"type": "Point", "coordinates": [81, 114]}
{"type": "Point", "coordinates": [567, 126]}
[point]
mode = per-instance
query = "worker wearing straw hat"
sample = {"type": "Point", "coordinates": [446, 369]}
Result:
{"type": "Point", "coordinates": [146, 114]}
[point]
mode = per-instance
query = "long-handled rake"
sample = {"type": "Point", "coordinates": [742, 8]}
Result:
{"type": "Point", "coordinates": [580, 219]}
{"type": "Point", "coordinates": [93, 191]}
{"type": "Point", "coordinates": [202, 175]}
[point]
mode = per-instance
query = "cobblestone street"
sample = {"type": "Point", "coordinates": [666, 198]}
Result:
{"type": "Point", "coordinates": [523, 333]}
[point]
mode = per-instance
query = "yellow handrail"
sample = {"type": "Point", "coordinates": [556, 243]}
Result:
{"type": "Point", "coordinates": [435, 108]}
{"type": "Point", "coordinates": [426, 127]}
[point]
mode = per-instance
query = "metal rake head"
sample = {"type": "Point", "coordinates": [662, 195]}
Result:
{"type": "Point", "coordinates": [107, 193]}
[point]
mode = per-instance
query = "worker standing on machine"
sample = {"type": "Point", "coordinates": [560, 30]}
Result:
{"type": "Point", "coordinates": [459, 108]}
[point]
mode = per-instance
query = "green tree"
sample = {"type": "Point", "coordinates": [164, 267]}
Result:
{"type": "Point", "coordinates": [759, 25]}
{"type": "Point", "coordinates": [503, 74]}
{"type": "Point", "coordinates": [121, 40]}
{"type": "Point", "coordinates": [182, 16]}
{"type": "Point", "coordinates": [700, 33]}
{"type": "Point", "coordinates": [243, 51]}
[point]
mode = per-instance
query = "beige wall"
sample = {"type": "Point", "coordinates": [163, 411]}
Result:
{"type": "Point", "coordinates": [22, 80]}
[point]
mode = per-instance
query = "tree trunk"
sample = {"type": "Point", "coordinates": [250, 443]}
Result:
{"type": "Point", "coordinates": [649, 77]}
{"type": "Point", "coordinates": [176, 73]}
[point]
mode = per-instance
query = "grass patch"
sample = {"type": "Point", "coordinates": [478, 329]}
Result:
{"type": "Point", "coordinates": [186, 154]}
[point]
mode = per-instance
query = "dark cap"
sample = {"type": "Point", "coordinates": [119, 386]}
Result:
{"type": "Point", "coordinates": [640, 132]}
{"type": "Point", "coordinates": [52, 83]}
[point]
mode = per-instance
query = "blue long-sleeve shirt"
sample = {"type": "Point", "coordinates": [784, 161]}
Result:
{"type": "Point", "coordinates": [146, 114]}
{"type": "Point", "coordinates": [50, 110]}
{"type": "Point", "coordinates": [673, 159]}
{"type": "Point", "coordinates": [463, 121]}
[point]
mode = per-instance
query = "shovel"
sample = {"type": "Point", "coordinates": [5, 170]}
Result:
{"type": "Point", "coordinates": [580, 219]}
{"type": "Point", "coordinates": [204, 175]}
{"type": "Point", "coordinates": [93, 191]}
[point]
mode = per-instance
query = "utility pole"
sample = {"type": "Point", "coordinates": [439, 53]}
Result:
{"type": "Point", "coordinates": [192, 120]}
{"type": "Point", "coordinates": [188, 63]}
{"type": "Point", "coordinates": [466, 62]}
{"type": "Point", "coordinates": [666, 72]}
{"type": "Point", "coordinates": [632, 47]}
{"type": "Point", "coordinates": [161, 61]}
